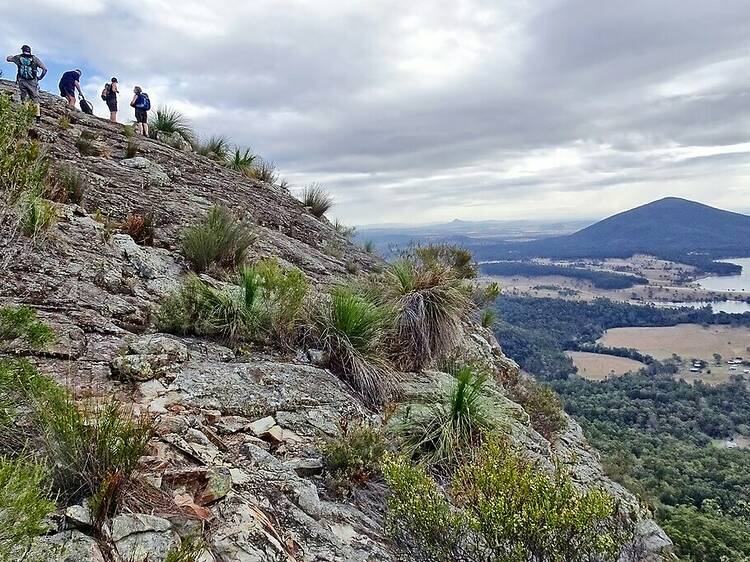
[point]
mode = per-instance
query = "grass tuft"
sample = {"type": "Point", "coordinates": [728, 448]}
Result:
{"type": "Point", "coordinates": [169, 121]}
{"type": "Point", "coordinates": [430, 304]}
{"type": "Point", "coordinates": [37, 216]}
{"type": "Point", "coordinates": [442, 256]}
{"type": "Point", "coordinates": [191, 549]}
{"type": "Point", "coordinates": [488, 318]}
{"type": "Point", "coordinates": [64, 123]}
{"type": "Point", "coordinates": [132, 148]}
{"type": "Point", "coordinates": [68, 185]}
{"type": "Point", "coordinates": [215, 147]}
{"type": "Point", "coordinates": [140, 227]}
{"type": "Point", "coordinates": [317, 200]}
{"type": "Point", "coordinates": [241, 161]}
{"type": "Point", "coordinates": [264, 170]}
{"type": "Point", "coordinates": [351, 328]}
{"type": "Point", "coordinates": [21, 323]}
{"type": "Point", "coordinates": [219, 239]}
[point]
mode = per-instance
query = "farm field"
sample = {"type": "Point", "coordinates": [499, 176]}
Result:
{"type": "Point", "coordinates": [597, 367]}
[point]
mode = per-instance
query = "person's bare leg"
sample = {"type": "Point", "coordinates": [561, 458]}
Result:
{"type": "Point", "coordinates": [113, 116]}
{"type": "Point", "coordinates": [145, 129]}
{"type": "Point", "coordinates": [71, 101]}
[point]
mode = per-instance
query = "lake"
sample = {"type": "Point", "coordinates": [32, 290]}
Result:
{"type": "Point", "coordinates": [730, 307]}
{"type": "Point", "coordinates": [730, 283]}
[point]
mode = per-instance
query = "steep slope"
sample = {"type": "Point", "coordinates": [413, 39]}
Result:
{"type": "Point", "coordinates": [238, 434]}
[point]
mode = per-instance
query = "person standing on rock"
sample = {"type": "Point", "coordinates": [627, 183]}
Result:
{"type": "Point", "coordinates": [109, 95]}
{"type": "Point", "coordinates": [27, 78]}
{"type": "Point", "coordinates": [142, 104]}
{"type": "Point", "coordinates": [69, 83]}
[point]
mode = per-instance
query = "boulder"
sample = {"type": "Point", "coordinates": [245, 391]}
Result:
{"type": "Point", "coordinates": [142, 537]}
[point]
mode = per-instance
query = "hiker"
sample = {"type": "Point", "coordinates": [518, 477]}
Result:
{"type": "Point", "coordinates": [69, 83]}
{"type": "Point", "coordinates": [109, 95]}
{"type": "Point", "coordinates": [27, 79]}
{"type": "Point", "coordinates": [142, 104]}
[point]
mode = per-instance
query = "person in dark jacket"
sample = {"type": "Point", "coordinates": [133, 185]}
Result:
{"type": "Point", "coordinates": [28, 77]}
{"type": "Point", "coordinates": [111, 91]}
{"type": "Point", "coordinates": [69, 83]}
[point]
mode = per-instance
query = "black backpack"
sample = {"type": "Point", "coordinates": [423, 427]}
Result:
{"type": "Point", "coordinates": [86, 107]}
{"type": "Point", "coordinates": [106, 92]}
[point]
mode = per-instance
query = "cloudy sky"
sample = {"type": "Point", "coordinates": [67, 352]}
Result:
{"type": "Point", "coordinates": [431, 110]}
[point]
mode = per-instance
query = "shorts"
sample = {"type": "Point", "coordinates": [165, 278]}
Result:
{"type": "Point", "coordinates": [29, 90]}
{"type": "Point", "coordinates": [68, 91]}
{"type": "Point", "coordinates": [112, 105]}
{"type": "Point", "coordinates": [141, 115]}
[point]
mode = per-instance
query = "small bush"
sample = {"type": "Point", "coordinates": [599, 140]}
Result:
{"type": "Point", "coordinates": [264, 170]}
{"type": "Point", "coordinates": [68, 185]}
{"type": "Point", "coordinates": [190, 550]}
{"type": "Point", "coordinates": [169, 121]}
{"type": "Point", "coordinates": [441, 256]}
{"type": "Point", "coordinates": [353, 458]}
{"type": "Point", "coordinates": [241, 162]}
{"type": "Point", "coordinates": [485, 296]}
{"type": "Point", "coordinates": [21, 323]}
{"type": "Point", "coordinates": [352, 329]}
{"type": "Point", "coordinates": [543, 407]}
{"type": "Point", "coordinates": [38, 215]}
{"type": "Point", "coordinates": [507, 509]}
{"type": "Point", "coordinates": [87, 147]}
{"type": "Point", "coordinates": [24, 504]}
{"type": "Point", "coordinates": [488, 317]}
{"type": "Point", "coordinates": [216, 147]}
{"type": "Point", "coordinates": [140, 227]}
{"type": "Point", "coordinates": [132, 148]}
{"type": "Point", "coordinates": [430, 304]}
{"type": "Point", "coordinates": [443, 431]}
{"type": "Point", "coordinates": [64, 122]}
{"type": "Point", "coordinates": [315, 198]}
{"type": "Point", "coordinates": [128, 131]}
{"type": "Point", "coordinates": [218, 239]}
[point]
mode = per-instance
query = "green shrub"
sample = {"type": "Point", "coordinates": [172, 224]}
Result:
{"type": "Point", "coordinates": [353, 458]}
{"type": "Point", "coordinates": [264, 170]}
{"type": "Point", "coordinates": [24, 504]}
{"type": "Point", "coordinates": [439, 256]}
{"type": "Point", "coordinates": [266, 301]}
{"type": "Point", "coordinates": [68, 185]}
{"type": "Point", "coordinates": [315, 198]}
{"type": "Point", "coordinates": [21, 323]}
{"type": "Point", "coordinates": [542, 405]}
{"type": "Point", "coordinates": [92, 452]}
{"type": "Point", "coordinates": [37, 216]}
{"type": "Point", "coordinates": [506, 509]}
{"type": "Point", "coordinates": [351, 328]}
{"type": "Point", "coordinates": [169, 121]}
{"type": "Point", "coordinates": [219, 239]}
{"type": "Point", "coordinates": [443, 431]}
{"type": "Point", "coordinates": [64, 122]}
{"type": "Point", "coordinates": [190, 550]}
{"type": "Point", "coordinates": [241, 162]}
{"type": "Point", "coordinates": [485, 296]}
{"type": "Point", "coordinates": [216, 147]}
{"type": "Point", "coordinates": [128, 131]}
{"type": "Point", "coordinates": [430, 304]}
{"type": "Point", "coordinates": [488, 317]}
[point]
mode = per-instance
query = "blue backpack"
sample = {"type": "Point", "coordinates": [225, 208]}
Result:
{"type": "Point", "coordinates": [26, 67]}
{"type": "Point", "coordinates": [143, 102]}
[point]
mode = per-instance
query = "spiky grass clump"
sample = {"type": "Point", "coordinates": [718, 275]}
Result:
{"type": "Point", "coordinates": [140, 227]}
{"type": "Point", "coordinates": [219, 239]}
{"type": "Point", "coordinates": [488, 317]}
{"type": "Point", "coordinates": [132, 148]}
{"type": "Point", "coordinates": [443, 431]}
{"type": "Point", "coordinates": [64, 122]}
{"type": "Point", "coordinates": [430, 304]}
{"type": "Point", "coordinates": [241, 161]}
{"type": "Point", "coordinates": [67, 186]}
{"type": "Point", "coordinates": [24, 504]}
{"type": "Point", "coordinates": [351, 328]}
{"type": "Point", "coordinates": [441, 256]}
{"type": "Point", "coordinates": [37, 216]}
{"type": "Point", "coordinates": [347, 232]}
{"type": "Point", "coordinates": [169, 121]}
{"type": "Point", "coordinates": [215, 147]}
{"type": "Point", "coordinates": [317, 200]}
{"type": "Point", "coordinates": [264, 170]}
{"type": "Point", "coordinates": [191, 549]}
{"type": "Point", "coordinates": [21, 323]}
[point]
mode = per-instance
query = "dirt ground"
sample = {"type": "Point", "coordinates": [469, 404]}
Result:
{"type": "Point", "coordinates": [597, 367]}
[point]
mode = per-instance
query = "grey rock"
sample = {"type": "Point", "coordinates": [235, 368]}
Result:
{"type": "Point", "coordinates": [261, 426]}
{"type": "Point", "coordinates": [68, 546]}
{"type": "Point", "coordinates": [228, 425]}
{"type": "Point", "coordinates": [78, 516]}
{"type": "Point", "coordinates": [141, 537]}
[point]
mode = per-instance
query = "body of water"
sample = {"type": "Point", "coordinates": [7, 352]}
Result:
{"type": "Point", "coordinates": [730, 307]}
{"type": "Point", "coordinates": [730, 283]}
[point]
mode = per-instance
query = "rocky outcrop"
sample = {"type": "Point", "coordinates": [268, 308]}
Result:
{"type": "Point", "coordinates": [236, 455]}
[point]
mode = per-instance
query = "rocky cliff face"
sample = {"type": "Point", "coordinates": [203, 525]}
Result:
{"type": "Point", "coordinates": [237, 444]}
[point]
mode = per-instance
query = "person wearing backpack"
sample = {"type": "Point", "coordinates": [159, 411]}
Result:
{"type": "Point", "coordinates": [27, 78]}
{"type": "Point", "coordinates": [142, 105]}
{"type": "Point", "coordinates": [69, 83]}
{"type": "Point", "coordinates": [109, 95]}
